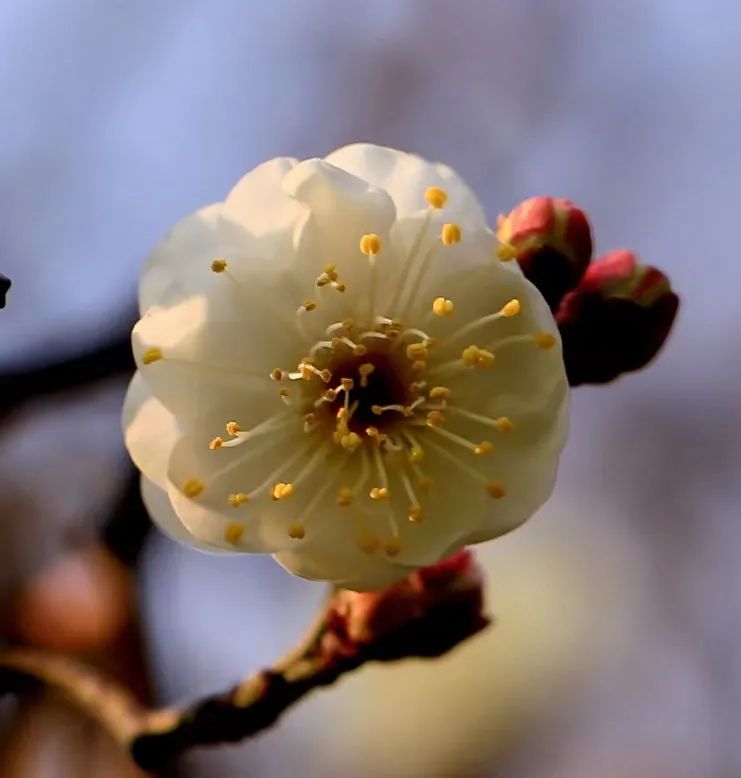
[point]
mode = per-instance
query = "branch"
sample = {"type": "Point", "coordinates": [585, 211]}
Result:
{"type": "Point", "coordinates": [425, 615]}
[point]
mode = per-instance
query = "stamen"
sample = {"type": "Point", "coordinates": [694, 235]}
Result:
{"type": "Point", "coordinates": [284, 396]}
{"type": "Point", "coordinates": [416, 351]}
{"type": "Point", "coordinates": [152, 355]}
{"type": "Point", "coordinates": [219, 265]}
{"type": "Point", "coordinates": [233, 533]}
{"type": "Point", "coordinates": [216, 443]}
{"type": "Point", "coordinates": [443, 307]}
{"type": "Point", "coordinates": [238, 498]}
{"type": "Point", "coordinates": [493, 488]}
{"type": "Point", "coordinates": [507, 311]}
{"type": "Point", "coordinates": [296, 531]}
{"type": "Point", "coordinates": [193, 487]}
{"type": "Point", "coordinates": [450, 234]}
{"type": "Point", "coordinates": [282, 491]}
{"type": "Point", "coordinates": [241, 435]}
{"type": "Point", "coordinates": [503, 424]}
{"type": "Point", "coordinates": [436, 197]}
{"type": "Point", "coordinates": [440, 393]}
{"type": "Point", "coordinates": [392, 546]}
{"type": "Point", "coordinates": [382, 492]}
{"type": "Point", "coordinates": [544, 340]}
{"type": "Point", "coordinates": [364, 371]}
{"type": "Point", "coordinates": [415, 509]}
{"type": "Point", "coordinates": [411, 260]}
{"type": "Point", "coordinates": [480, 449]}
{"type": "Point", "coordinates": [278, 374]}
{"type": "Point", "coordinates": [370, 245]}
{"type": "Point", "coordinates": [309, 305]}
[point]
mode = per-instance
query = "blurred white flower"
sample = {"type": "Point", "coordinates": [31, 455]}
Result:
{"type": "Point", "coordinates": [336, 369]}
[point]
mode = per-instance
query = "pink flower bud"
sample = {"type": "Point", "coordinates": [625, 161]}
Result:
{"type": "Point", "coordinates": [616, 320]}
{"type": "Point", "coordinates": [551, 240]}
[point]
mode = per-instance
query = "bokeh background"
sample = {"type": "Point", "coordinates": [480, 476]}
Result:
{"type": "Point", "coordinates": [617, 651]}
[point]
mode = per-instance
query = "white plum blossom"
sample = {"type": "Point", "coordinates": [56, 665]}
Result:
{"type": "Point", "coordinates": [336, 368]}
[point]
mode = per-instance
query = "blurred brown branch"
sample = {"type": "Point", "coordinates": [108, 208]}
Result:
{"type": "Point", "coordinates": [426, 615]}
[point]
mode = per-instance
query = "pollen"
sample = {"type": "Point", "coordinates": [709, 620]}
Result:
{"type": "Point", "coordinates": [193, 487]}
{"type": "Point", "coordinates": [440, 393]}
{"type": "Point", "coordinates": [504, 425]}
{"type": "Point", "coordinates": [443, 307]}
{"type": "Point", "coordinates": [237, 499]}
{"type": "Point", "coordinates": [495, 490]}
{"type": "Point", "coordinates": [233, 429]}
{"type": "Point", "coordinates": [297, 531]}
{"type": "Point", "coordinates": [345, 496]}
{"type": "Point", "coordinates": [351, 441]}
{"type": "Point", "coordinates": [370, 244]}
{"type": "Point", "coordinates": [512, 308]}
{"type": "Point", "coordinates": [368, 543]}
{"type": "Point", "coordinates": [436, 197]}
{"type": "Point", "coordinates": [216, 443]}
{"type": "Point", "coordinates": [470, 355]}
{"type": "Point", "coordinates": [450, 234]}
{"type": "Point", "coordinates": [416, 514]}
{"type": "Point", "coordinates": [483, 449]}
{"type": "Point", "coordinates": [282, 491]}
{"type": "Point", "coordinates": [544, 340]}
{"type": "Point", "coordinates": [392, 546]}
{"type": "Point", "coordinates": [219, 265]}
{"type": "Point", "coordinates": [379, 493]}
{"type": "Point", "coordinates": [435, 419]}
{"type": "Point", "coordinates": [151, 355]}
{"type": "Point", "coordinates": [233, 533]}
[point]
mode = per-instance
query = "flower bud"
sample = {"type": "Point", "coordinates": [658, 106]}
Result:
{"type": "Point", "coordinates": [551, 240]}
{"type": "Point", "coordinates": [426, 614]}
{"type": "Point", "coordinates": [616, 320]}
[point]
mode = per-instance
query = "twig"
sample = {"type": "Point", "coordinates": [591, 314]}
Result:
{"type": "Point", "coordinates": [424, 616]}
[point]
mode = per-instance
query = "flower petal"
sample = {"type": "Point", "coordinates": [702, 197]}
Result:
{"type": "Point", "coordinates": [150, 431]}
{"type": "Point", "coordinates": [406, 177]}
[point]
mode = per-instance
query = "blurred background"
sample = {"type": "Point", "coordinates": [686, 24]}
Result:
{"type": "Point", "coordinates": [617, 651]}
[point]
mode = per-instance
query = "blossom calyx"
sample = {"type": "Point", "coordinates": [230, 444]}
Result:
{"type": "Point", "coordinates": [551, 239]}
{"type": "Point", "coordinates": [616, 320]}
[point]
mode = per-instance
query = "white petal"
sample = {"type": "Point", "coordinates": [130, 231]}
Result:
{"type": "Point", "coordinates": [406, 177]}
{"type": "Point", "coordinates": [259, 203]}
{"type": "Point", "coordinates": [150, 431]}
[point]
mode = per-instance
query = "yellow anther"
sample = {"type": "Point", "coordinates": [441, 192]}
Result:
{"type": "Point", "coordinates": [237, 499]}
{"type": "Point", "coordinates": [233, 532]}
{"type": "Point", "coordinates": [218, 265]}
{"type": "Point", "coordinates": [512, 308]}
{"type": "Point", "coordinates": [440, 393]}
{"type": "Point", "coordinates": [483, 449]}
{"type": "Point", "coordinates": [309, 305]}
{"type": "Point", "coordinates": [331, 271]}
{"type": "Point", "coordinates": [544, 340]}
{"type": "Point", "coordinates": [505, 252]}
{"type": "Point", "coordinates": [216, 443]}
{"type": "Point", "coordinates": [443, 307]}
{"type": "Point", "coordinates": [344, 496]}
{"type": "Point", "coordinates": [416, 514]}
{"type": "Point", "coordinates": [436, 197]}
{"type": "Point", "coordinates": [416, 454]}
{"type": "Point", "coordinates": [375, 434]}
{"type": "Point", "coordinates": [450, 234]}
{"type": "Point", "coordinates": [368, 543]}
{"type": "Point", "coordinates": [392, 546]}
{"type": "Point", "coordinates": [416, 351]}
{"type": "Point", "coordinates": [282, 491]}
{"type": "Point", "coordinates": [379, 493]}
{"type": "Point", "coordinates": [360, 350]}
{"type": "Point", "coordinates": [495, 490]}
{"type": "Point", "coordinates": [284, 395]}
{"type": "Point", "coordinates": [339, 287]}
{"type": "Point", "coordinates": [151, 355]}
{"type": "Point", "coordinates": [504, 425]}
{"type": "Point", "coordinates": [193, 487]}
{"type": "Point", "coordinates": [370, 244]}
{"type": "Point", "coordinates": [435, 419]}
{"type": "Point", "coordinates": [377, 410]}
{"type": "Point", "coordinates": [233, 429]}
{"type": "Point", "coordinates": [325, 375]}
{"type": "Point", "coordinates": [347, 384]}
{"type": "Point", "coordinates": [364, 371]}
{"type": "Point", "coordinates": [330, 395]}
{"type": "Point", "coordinates": [297, 531]}
{"type": "Point", "coordinates": [469, 355]}
{"type": "Point", "coordinates": [278, 374]}
{"type": "Point", "coordinates": [485, 359]}
{"type": "Point", "coordinates": [351, 441]}
{"type": "Point", "coordinates": [419, 366]}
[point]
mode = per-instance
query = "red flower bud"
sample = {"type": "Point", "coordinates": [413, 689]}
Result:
{"type": "Point", "coordinates": [616, 320]}
{"type": "Point", "coordinates": [551, 240]}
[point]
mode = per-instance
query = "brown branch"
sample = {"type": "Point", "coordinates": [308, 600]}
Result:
{"type": "Point", "coordinates": [425, 615]}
